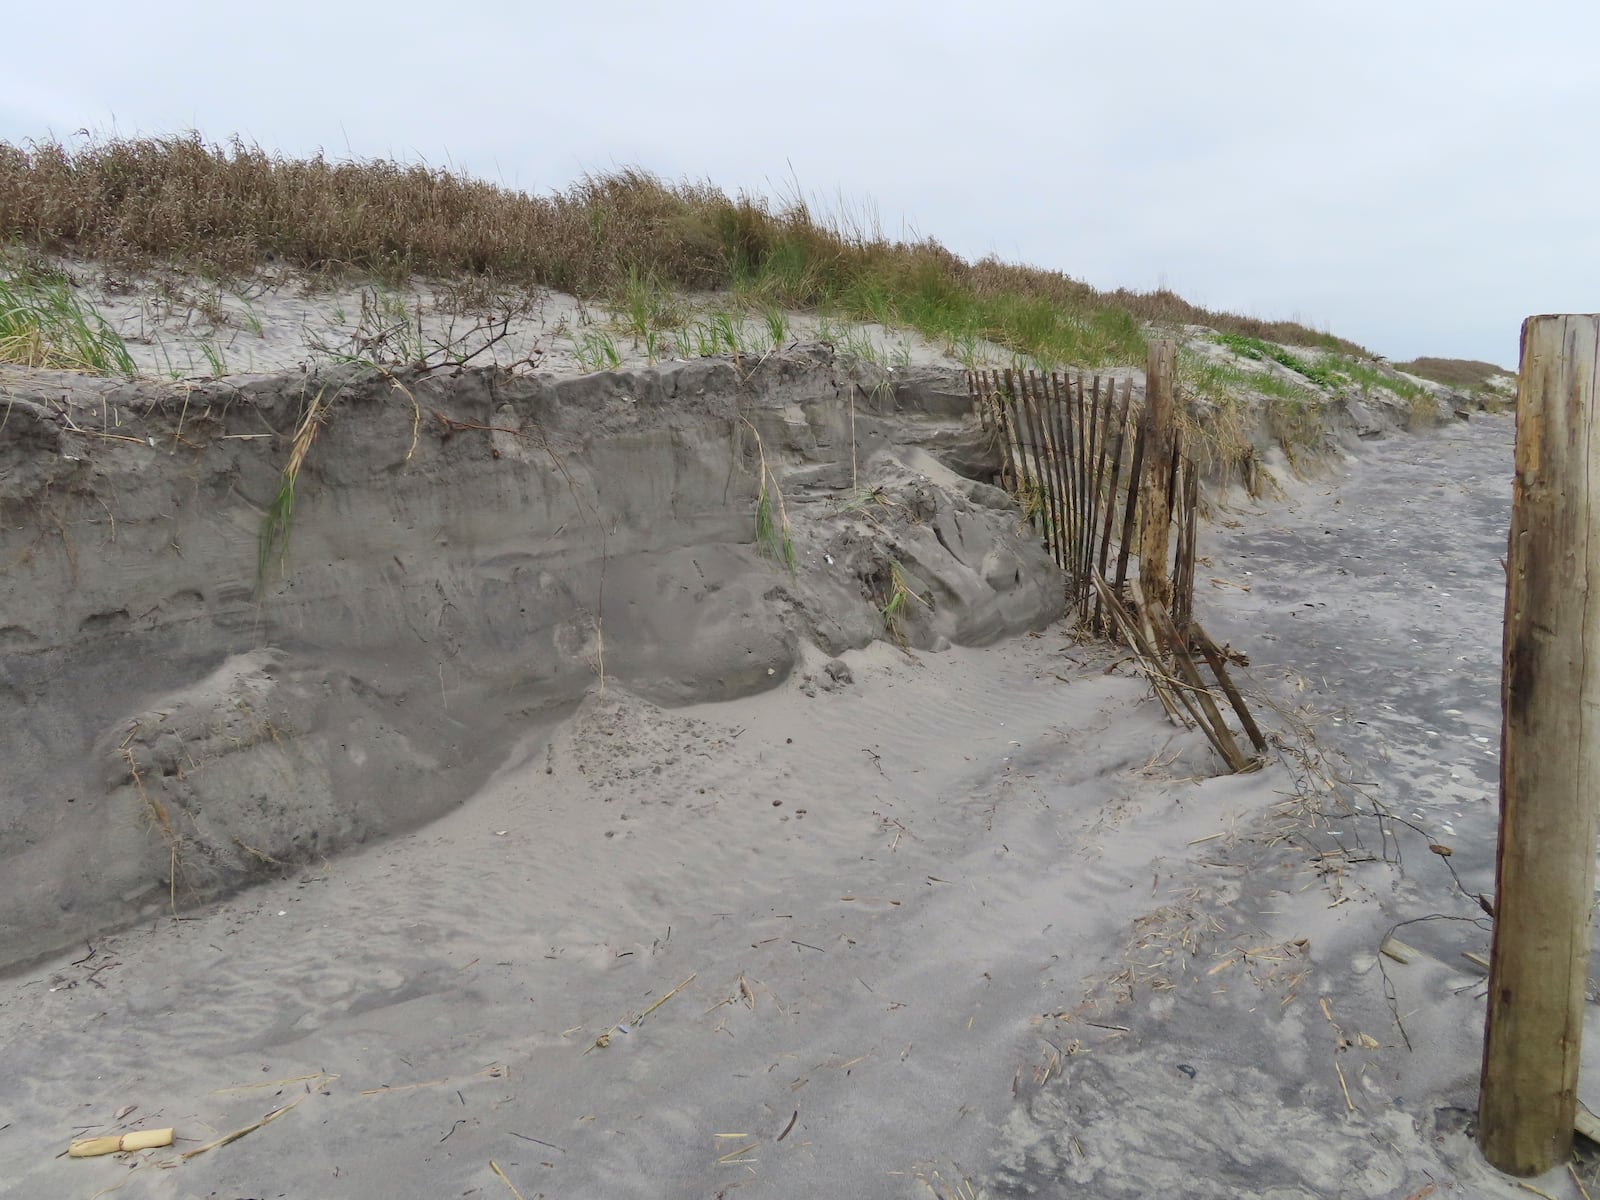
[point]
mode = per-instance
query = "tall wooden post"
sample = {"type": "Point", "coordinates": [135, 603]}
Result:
{"type": "Point", "coordinates": [1549, 755]}
{"type": "Point", "coordinates": [1160, 372]}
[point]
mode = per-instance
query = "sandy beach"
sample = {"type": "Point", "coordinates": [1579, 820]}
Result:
{"type": "Point", "coordinates": [964, 916]}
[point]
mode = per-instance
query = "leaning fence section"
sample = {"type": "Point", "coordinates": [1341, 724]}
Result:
{"type": "Point", "coordinates": [1076, 452]}
{"type": "Point", "coordinates": [1073, 453]}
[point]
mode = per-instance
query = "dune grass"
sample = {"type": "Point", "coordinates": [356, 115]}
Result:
{"type": "Point", "coordinates": [1369, 377]}
{"type": "Point", "coordinates": [1464, 373]}
{"type": "Point", "coordinates": [44, 324]}
{"type": "Point", "coordinates": [1219, 432]}
{"type": "Point", "coordinates": [1295, 409]}
{"type": "Point", "coordinates": [272, 549]}
{"type": "Point", "coordinates": [1261, 351]}
{"type": "Point", "coordinates": [897, 597]}
{"type": "Point", "coordinates": [622, 237]}
{"type": "Point", "coordinates": [774, 536]}
{"type": "Point", "coordinates": [1299, 424]}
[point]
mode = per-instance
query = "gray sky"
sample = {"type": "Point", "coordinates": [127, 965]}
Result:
{"type": "Point", "coordinates": [1417, 176]}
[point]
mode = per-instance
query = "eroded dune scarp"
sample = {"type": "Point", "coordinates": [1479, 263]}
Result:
{"type": "Point", "coordinates": [196, 702]}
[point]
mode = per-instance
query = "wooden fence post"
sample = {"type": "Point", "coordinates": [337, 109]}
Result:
{"type": "Point", "coordinates": [1549, 756]}
{"type": "Point", "coordinates": [1156, 516]}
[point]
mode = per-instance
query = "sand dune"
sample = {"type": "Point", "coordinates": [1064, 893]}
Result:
{"type": "Point", "coordinates": [782, 908]}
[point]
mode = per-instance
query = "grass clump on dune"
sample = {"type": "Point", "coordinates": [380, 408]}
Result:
{"type": "Point", "coordinates": [1465, 373]}
{"type": "Point", "coordinates": [620, 237]}
{"type": "Point", "coordinates": [1369, 377]}
{"type": "Point", "coordinates": [43, 324]}
{"type": "Point", "coordinates": [1261, 351]}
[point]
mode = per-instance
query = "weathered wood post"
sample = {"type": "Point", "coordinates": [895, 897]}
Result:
{"type": "Point", "coordinates": [1549, 755]}
{"type": "Point", "coordinates": [1160, 372]}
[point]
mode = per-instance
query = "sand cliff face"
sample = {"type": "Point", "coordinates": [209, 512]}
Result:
{"type": "Point", "coordinates": [469, 553]}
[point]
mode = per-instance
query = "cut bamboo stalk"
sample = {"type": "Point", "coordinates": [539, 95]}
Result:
{"type": "Point", "coordinates": [139, 1139]}
{"type": "Point", "coordinates": [1401, 953]}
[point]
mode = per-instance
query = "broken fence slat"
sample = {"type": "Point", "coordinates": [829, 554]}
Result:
{"type": "Point", "coordinates": [1216, 660]}
{"type": "Point", "coordinates": [1052, 391]}
{"type": "Point", "coordinates": [1208, 717]}
{"type": "Point", "coordinates": [1394, 948]}
{"type": "Point", "coordinates": [1008, 434]}
{"type": "Point", "coordinates": [1143, 654]}
{"type": "Point", "coordinates": [1111, 492]}
{"type": "Point", "coordinates": [1049, 503]}
{"type": "Point", "coordinates": [1586, 1123]}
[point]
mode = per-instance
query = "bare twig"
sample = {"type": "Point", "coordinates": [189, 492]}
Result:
{"type": "Point", "coordinates": [495, 1167]}
{"type": "Point", "coordinates": [239, 1133]}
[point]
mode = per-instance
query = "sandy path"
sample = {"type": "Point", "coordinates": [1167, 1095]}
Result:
{"type": "Point", "coordinates": [1382, 585]}
{"type": "Point", "coordinates": [1374, 601]}
{"type": "Point", "coordinates": [986, 821]}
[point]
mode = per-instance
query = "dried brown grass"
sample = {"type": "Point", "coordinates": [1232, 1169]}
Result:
{"type": "Point", "coordinates": [1454, 372]}
{"type": "Point", "coordinates": [233, 207]}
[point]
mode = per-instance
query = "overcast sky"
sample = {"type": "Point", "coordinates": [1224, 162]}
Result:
{"type": "Point", "coordinates": [1417, 176]}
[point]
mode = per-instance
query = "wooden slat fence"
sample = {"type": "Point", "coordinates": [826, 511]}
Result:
{"type": "Point", "coordinates": [1073, 453]}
